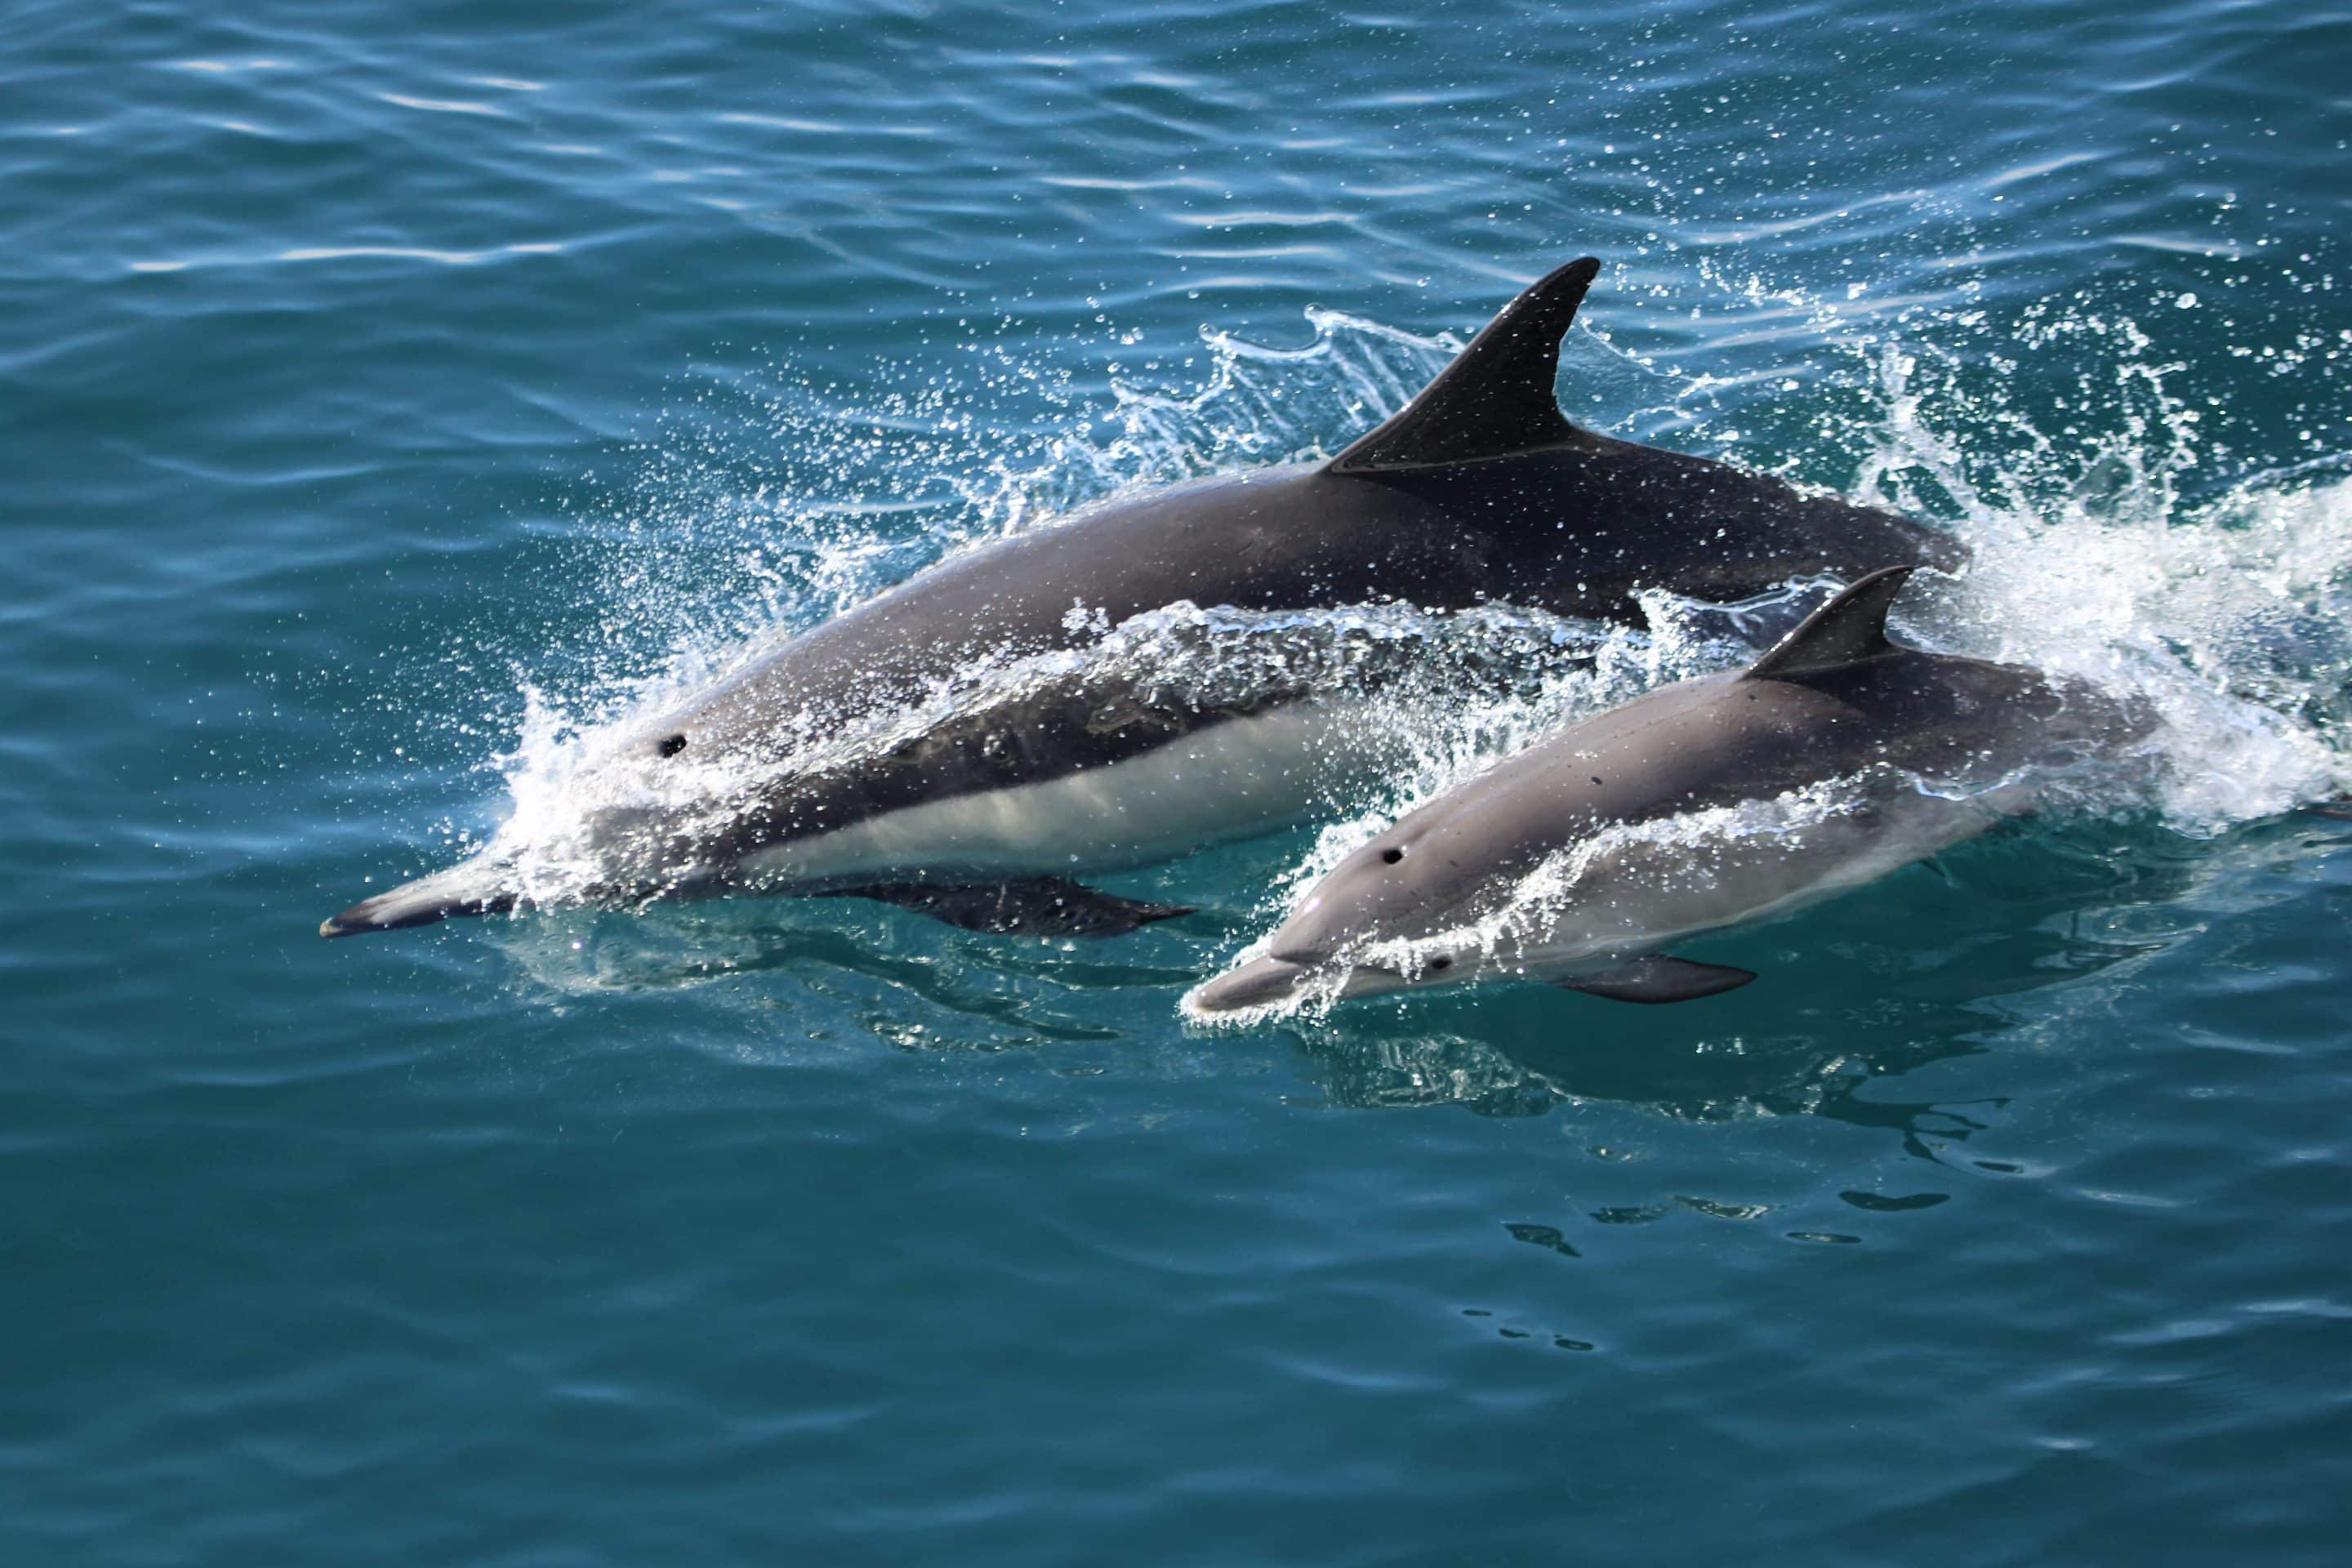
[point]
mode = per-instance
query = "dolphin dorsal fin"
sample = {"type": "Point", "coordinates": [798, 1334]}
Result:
{"type": "Point", "coordinates": [1848, 629]}
{"type": "Point", "coordinates": [1495, 399]}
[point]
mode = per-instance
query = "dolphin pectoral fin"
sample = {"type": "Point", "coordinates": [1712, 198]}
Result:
{"type": "Point", "coordinates": [1039, 905]}
{"type": "Point", "coordinates": [1659, 979]}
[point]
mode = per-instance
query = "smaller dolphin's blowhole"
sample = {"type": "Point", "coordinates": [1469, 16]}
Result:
{"type": "Point", "coordinates": [671, 745]}
{"type": "Point", "coordinates": [1392, 855]}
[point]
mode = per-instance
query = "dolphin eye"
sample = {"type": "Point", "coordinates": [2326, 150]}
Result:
{"type": "Point", "coordinates": [671, 745]}
{"type": "Point", "coordinates": [1438, 966]}
{"type": "Point", "coordinates": [1391, 854]}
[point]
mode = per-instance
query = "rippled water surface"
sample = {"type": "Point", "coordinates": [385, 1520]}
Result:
{"type": "Point", "coordinates": [392, 399]}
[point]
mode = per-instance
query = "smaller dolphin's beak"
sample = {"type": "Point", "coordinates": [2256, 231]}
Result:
{"type": "Point", "coordinates": [1259, 982]}
{"type": "Point", "coordinates": [466, 888]}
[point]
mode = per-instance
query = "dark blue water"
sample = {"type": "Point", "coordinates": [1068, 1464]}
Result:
{"type": "Point", "coordinates": [386, 393]}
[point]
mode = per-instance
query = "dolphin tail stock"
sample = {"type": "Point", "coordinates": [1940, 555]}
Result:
{"type": "Point", "coordinates": [1496, 397]}
{"type": "Point", "coordinates": [1037, 906]}
{"type": "Point", "coordinates": [477, 887]}
{"type": "Point", "coordinates": [1659, 979]}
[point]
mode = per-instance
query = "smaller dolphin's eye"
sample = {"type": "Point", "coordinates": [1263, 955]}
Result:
{"type": "Point", "coordinates": [1438, 966]}
{"type": "Point", "coordinates": [671, 745]}
{"type": "Point", "coordinates": [1392, 855]}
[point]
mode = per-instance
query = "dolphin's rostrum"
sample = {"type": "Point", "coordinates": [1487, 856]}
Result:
{"type": "Point", "coordinates": [1478, 491]}
{"type": "Point", "coordinates": [1835, 758]}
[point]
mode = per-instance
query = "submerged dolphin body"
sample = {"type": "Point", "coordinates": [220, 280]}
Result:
{"type": "Point", "coordinates": [1479, 491]}
{"type": "Point", "coordinates": [1836, 758]}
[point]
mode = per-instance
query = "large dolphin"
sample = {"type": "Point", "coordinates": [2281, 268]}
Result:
{"type": "Point", "coordinates": [1479, 491]}
{"type": "Point", "coordinates": [1837, 757]}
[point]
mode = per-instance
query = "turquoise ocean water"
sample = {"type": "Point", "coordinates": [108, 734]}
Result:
{"type": "Point", "coordinates": [387, 394]}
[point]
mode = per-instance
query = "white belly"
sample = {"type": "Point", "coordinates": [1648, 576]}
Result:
{"type": "Point", "coordinates": [1232, 780]}
{"type": "Point", "coordinates": [1657, 894]}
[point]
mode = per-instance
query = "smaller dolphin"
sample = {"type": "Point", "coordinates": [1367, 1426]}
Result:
{"type": "Point", "coordinates": [1839, 756]}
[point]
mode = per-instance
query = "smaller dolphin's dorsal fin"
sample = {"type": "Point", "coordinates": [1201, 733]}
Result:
{"type": "Point", "coordinates": [1495, 399]}
{"type": "Point", "coordinates": [1848, 629]}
